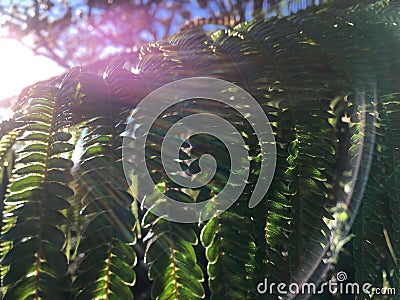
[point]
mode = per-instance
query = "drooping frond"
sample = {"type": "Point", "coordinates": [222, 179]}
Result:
{"type": "Point", "coordinates": [32, 242]}
{"type": "Point", "coordinates": [170, 246]}
{"type": "Point", "coordinates": [391, 117]}
{"type": "Point", "coordinates": [106, 256]}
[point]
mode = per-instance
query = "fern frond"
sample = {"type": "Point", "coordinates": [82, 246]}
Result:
{"type": "Point", "coordinates": [271, 217]}
{"type": "Point", "coordinates": [228, 236]}
{"type": "Point", "coordinates": [301, 109]}
{"type": "Point", "coordinates": [368, 229]}
{"type": "Point", "coordinates": [106, 269]}
{"type": "Point", "coordinates": [32, 250]}
{"type": "Point", "coordinates": [391, 117]}
{"type": "Point", "coordinates": [196, 55]}
{"type": "Point", "coordinates": [228, 251]}
{"type": "Point", "coordinates": [6, 143]}
{"type": "Point", "coordinates": [172, 260]}
{"type": "Point", "coordinates": [376, 235]}
{"type": "Point", "coordinates": [170, 252]}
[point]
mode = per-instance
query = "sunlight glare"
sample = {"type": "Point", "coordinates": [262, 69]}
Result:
{"type": "Point", "coordinates": [5, 114]}
{"type": "Point", "coordinates": [19, 67]}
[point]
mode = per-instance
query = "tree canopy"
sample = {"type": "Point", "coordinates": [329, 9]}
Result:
{"type": "Point", "coordinates": [73, 32]}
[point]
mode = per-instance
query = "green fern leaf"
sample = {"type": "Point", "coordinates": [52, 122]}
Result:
{"type": "Point", "coordinates": [106, 269]}
{"type": "Point", "coordinates": [32, 258]}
